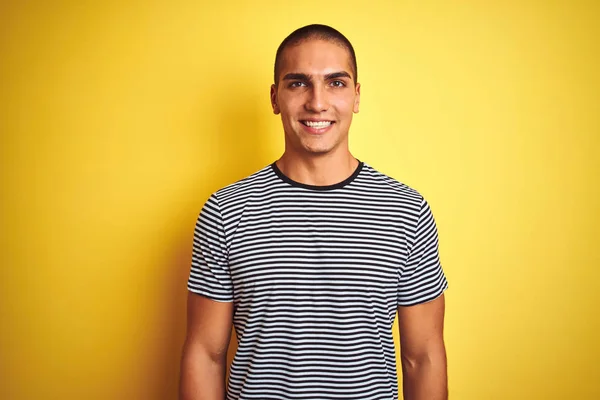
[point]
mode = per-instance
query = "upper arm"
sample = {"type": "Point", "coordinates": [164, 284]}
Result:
{"type": "Point", "coordinates": [421, 329]}
{"type": "Point", "coordinates": [209, 274]}
{"type": "Point", "coordinates": [210, 296]}
{"type": "Point", "coordinates": [421, 278]}
{"type": "Point", "coordinates": [209, 325]}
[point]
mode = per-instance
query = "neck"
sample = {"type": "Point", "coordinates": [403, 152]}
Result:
{"type": "Point", "coordinates": [318, 170]}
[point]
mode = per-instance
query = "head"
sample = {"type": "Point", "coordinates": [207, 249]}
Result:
{"type": "Point", "coordinates": [315, 90]}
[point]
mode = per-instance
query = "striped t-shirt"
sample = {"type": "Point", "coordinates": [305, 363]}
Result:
{"type": "Point", "coordinates": [315, 274]}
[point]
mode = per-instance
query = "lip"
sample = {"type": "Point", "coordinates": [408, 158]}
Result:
{"type": "Point", "coordinates": [314, 130]}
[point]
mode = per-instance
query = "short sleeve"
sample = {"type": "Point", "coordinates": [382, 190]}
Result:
{"type": "Point", "coordinates": [422, 278]}
{"type": "Point", "coordinates": [209, 275]}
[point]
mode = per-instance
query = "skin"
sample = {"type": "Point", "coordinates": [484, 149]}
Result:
{"type": "Point", "coordinates": [315, 84]}
{"type": "Point", "coordinates": [204, 358]}
{"type": "Point", "coordinates": [422, 351]}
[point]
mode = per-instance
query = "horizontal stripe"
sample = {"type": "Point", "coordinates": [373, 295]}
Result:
{"type": "Point", "coordinates": [316, 277]}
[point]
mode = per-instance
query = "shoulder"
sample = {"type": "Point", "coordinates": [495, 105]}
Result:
{"type": "Point", "coordinates": [374, 180]}
{"type": "Point", "coordinates": [244, 189]}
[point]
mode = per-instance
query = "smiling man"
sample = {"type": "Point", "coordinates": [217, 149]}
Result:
{"type": "Point", "coordinates": [311, 258]}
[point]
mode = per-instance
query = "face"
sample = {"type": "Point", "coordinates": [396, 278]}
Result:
{"type": "Point", "coordinates": [316, 97]}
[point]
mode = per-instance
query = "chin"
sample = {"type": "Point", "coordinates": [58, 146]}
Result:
{"type": "Point", "coordinates": [318, 150]}
{"type": "Point", "coordinates": [315, 146]}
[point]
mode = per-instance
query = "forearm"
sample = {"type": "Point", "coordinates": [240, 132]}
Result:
{"type": "Point", "coordinates": [202, 376]}
{"type": "Point", "coordinates": [425, 378]}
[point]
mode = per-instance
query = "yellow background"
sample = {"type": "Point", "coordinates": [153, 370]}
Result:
{"type": "Point", "coordinates": [118, 120]}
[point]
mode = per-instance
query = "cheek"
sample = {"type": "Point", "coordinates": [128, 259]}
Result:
{"type": "Point", "coordinates": [345, 104]}
{"type": "Point", "coordinates": [289, 108]}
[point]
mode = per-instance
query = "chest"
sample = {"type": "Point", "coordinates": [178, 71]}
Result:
{"type": "Point", "coordinates": [304, 250]}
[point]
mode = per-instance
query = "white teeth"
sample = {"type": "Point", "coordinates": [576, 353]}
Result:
{"type": "Point", "coordinates": [320, 124]}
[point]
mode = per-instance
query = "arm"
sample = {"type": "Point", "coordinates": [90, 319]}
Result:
{"type": "Point", "coordinates": [204, 359]}
{"type": "Point", "coordinates": [422, 351]}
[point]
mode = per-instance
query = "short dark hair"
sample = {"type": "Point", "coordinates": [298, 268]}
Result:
{"type": "Point", "coordinates": [318, 32]}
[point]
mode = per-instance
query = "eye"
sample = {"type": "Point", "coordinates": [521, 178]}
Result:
{"type": "Point", "coordinates": [297, 84]}
{"type": "Point", "coordinates": [338, 84]}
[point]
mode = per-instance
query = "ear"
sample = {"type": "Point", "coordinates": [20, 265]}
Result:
{"type": "Point", "coordinates": [276, 109]}
{"type": "Point", "coordinates": [357, 98]}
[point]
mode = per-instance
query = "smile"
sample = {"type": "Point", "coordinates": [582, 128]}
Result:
{"type": "Point", "coordinates": [317, 124]}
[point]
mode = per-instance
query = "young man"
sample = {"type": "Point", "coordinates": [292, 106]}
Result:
{"type": "Point", "coordinates": [312, 257]}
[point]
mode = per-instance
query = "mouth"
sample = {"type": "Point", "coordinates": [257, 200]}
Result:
{"type": "Point", "coordinates": [317, 124]}
{"type": "Point", "coordinates": [315, 127]}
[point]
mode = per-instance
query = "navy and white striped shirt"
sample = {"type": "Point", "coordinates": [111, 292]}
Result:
{"type": "Point", "coordinates": [316, 274]}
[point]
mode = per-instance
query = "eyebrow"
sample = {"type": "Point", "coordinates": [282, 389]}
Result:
{"type": "Point", "coordinates": [305, 77]}
{"type": "Point", "coordinates": [296, 76]}
{"type": "Point", "coordinates": [335, 75]}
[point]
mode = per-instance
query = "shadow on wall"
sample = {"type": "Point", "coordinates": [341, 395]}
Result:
{"type": "Point", "coordinates": [241, 149]}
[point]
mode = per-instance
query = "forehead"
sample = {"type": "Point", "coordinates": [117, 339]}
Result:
{"type": "Point", "coordinates": [315, 57]}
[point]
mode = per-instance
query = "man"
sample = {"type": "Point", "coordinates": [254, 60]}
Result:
{"type": "Point", "coordinates": [311, 258]}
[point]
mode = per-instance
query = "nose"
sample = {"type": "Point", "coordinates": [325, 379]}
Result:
{"type": "Point", "coordinates": [317, 100]}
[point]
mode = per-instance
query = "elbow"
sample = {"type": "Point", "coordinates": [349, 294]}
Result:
{"type": "Point", "coordinates": [434, 357]}
{"type": "Point", "coordinates": [412, 362]}
{"type": "Point", "coordinates": [194, 351]}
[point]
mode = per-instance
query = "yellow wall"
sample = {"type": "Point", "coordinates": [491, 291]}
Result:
{"type": "Point", "coordinates": [118, 120]}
